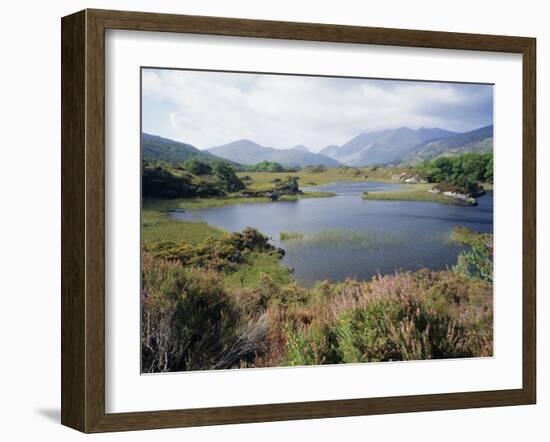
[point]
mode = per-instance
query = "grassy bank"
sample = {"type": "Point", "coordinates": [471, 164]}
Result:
{"type": "Point", "coordinates": [165, 205]}
{"type": "Point", "coordinates": [157, 226]}
{"type": "Point", "coordinates": [309, 177]}
{"type": "Point", "coordinates": [416, 192]}
{"type": "Point", "coordinates": [410, 192]}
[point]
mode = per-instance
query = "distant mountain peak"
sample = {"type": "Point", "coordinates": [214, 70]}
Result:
{"type": "Point", "coordinates": [243, 142]}
{"type": "Point", "coordinates": [300, 148]}
{"type": "Point", "coordinates": [477, 140]}
{"type": "Point", "coordinates": [383, 146]}
{"type": "Point", "coordinates": [249, 152]}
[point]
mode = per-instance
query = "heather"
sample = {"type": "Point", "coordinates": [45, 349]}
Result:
{"type": "Point", "coordinates": [198, 313]}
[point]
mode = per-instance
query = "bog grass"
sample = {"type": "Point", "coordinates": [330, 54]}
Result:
{"type": "Point", "coordinates": [410, 192]}
{"type": "Point", "coordinates": [307, 177]}
{"type": "Point", "coordinates": [166, 205]}
{"type": "Point", "coordinates": [348, 238]}
{"type": "Point", "coordinates": [158, 226]}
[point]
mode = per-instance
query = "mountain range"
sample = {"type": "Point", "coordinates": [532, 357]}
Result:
{"type": "Point", "coordinates": [391, 146]}
{"type": "Point", "coordinates": [479, 140]}
{"type": "Point", "coordinates": [249, 152]}
{"type": "Point", "coordinates": [407, 146]}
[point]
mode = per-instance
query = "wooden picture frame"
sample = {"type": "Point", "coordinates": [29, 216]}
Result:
{"type": "Point", "coordinates": [83, 220]}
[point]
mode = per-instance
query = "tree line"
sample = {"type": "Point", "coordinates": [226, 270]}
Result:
{"type": "Point", "coordinates": [464, 172]}
{"type": "Point", "coordinates": [193, 178]}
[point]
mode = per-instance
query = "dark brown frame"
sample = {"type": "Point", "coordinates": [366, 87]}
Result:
{"type": "Point", "coordinates": [83, 217]}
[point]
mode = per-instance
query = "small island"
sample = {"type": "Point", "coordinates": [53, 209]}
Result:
{"type": "Point", "coordinates": [448, 180]}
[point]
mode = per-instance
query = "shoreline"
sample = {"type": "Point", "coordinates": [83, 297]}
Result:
{"type": "Point", "coordinates": [418, 192]}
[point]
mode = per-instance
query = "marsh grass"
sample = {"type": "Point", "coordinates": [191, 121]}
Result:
{"type": "Point", "coordinates": [158, 226]}
{"type": "Point", "coordinates": [465, 236]}
{"type": "Point", "coordinates": [342, 238]}
{"type": "Point", "coordinates": [167, 205]}
{"type": "Point", "coordinates": [410, 192]}
{"type": "Point", "coordinates": [288, 236]}
{"type": "Point", "coordinates": [312, 194]}
{"type": "Point", "coordinates": [308, 177]}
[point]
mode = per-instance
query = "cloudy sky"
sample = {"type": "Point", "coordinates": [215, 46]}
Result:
{"type": "Point", "coordinates": [209, 109]}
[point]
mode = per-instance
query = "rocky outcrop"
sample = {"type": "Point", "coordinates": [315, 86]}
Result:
{"type": "Point", "coordinates": [289, 186]}
{"type": "Point", "coordinates": [408, 178]}
{"type": "Point", "coordinates": [460, 198]}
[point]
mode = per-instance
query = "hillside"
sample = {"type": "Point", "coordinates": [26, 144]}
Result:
{"type": "Point", "coordinates": [330, 151]}
{"type": "Point", "coordinates": [154, 147]}
{"type": "Point", "coordinates": [249, 152]}
{"type": "Point", "coordinates": [479, 140]}
{"type": "Point", "coordinates": [382, 147]}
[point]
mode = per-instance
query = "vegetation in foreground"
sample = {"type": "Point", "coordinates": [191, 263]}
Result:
{"type": "Point", "coordinates": [199, 313]}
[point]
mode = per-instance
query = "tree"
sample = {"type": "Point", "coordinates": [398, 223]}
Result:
{"type": "Point", "coordinates": [489, 170]}
{"type": "Point", "coordinates": [290, 186]}
{"type": "Point", "coordinates": [474, 166]}
{"type": "Point", "coordinates": [197, 167]}
{"type": "Point", "coordinates": [444, 166]}
{"type": "Point", "coordinates": [229, 181]}
{"type": "Point", "coordinates": [267, 166]}
{"type": "Point", "coordinates": [460, 170]}
{"type": "Point", "coordinates": [157, 182]}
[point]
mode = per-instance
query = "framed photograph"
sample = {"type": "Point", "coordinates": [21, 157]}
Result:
{"type": "Point", "coordinates": [266, 221]}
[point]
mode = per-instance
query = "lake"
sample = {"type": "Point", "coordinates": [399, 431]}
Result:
{"type": "Point", "coordinates": [345, 236]}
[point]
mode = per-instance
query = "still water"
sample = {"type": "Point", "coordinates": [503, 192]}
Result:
{"type": "Point", "coordinates": [345, 236]}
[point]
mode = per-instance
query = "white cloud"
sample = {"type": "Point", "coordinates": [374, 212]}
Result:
{"type": "Point", "coordinates": [213, 108]}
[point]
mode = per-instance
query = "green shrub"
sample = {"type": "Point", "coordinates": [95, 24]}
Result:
{"type": "Point", "coordinates": [188, 321]}
{"type": "Point", "coordinates": [476, 262]}
{"type": "Point", "coordinates": [157, 182]}
{"type": "Point", "coordinates": [407, 316]}
{"type": "Point", "coordinates": [197, 167]}
{"type": "Point", "coordinates": [267, 166]}
{"type": "Point", "coordinates": [221, 254]}
{"type": "Point", "coordinates": [317, 346]}
{"type": "Point", "coordinates": [229, 181]}
{"type": "Point", "coordinates": [459, 170]}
